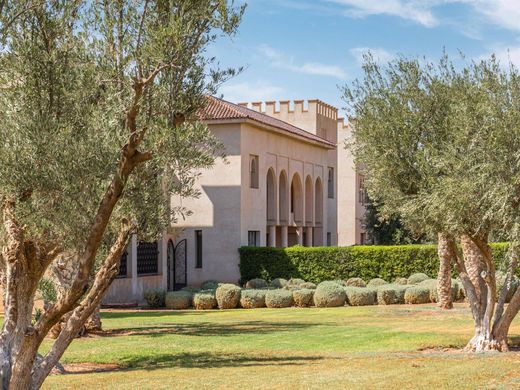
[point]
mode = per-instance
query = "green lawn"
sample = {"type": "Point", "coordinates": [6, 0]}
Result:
{"type": "Point", "coordinates": [391, 347]}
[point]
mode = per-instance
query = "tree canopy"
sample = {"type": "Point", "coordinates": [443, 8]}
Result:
{"type": "Point", "coordinates": [99, 102]}
{"type": "Point", "coordinates": [440, 144]}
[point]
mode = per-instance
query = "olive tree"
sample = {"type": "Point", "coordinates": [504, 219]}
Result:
{"type": "Point", "coordinates": [447, 162]}
{"type": "Point", "coordinates": [402, 119]}
{"type": "Point", "coordinates": [99, 103]}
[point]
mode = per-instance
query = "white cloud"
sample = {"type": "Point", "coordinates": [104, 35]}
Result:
{"type": "Point", "coordinates": [504, 13]}
{"type": "Point", "coordinates": [281, 61]}
{"type": "Point", "coordinates": [250, 92]}
{"type": "Point", "coordinates": [379, 54]}
{"type": "Point", "coordinates": [418, 11]}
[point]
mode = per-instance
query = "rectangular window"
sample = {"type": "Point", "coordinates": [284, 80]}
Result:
{"type": "Point", "coordinates": [363, 239]}
{"type": "Point", "coordinates": [330, 183]}
{"type": "Point", "coordinates": [362, 191]}
{"type": "Point", "coordinates": [329, 239]}
{"type": "Point", "coordinates": [253, 238]}
{"type": "Point", "coordinates": [147, 258]}
{"type": "Point", "coordinates": [253, 171]}
{"type": "Point", "coordinates": [198, 248]}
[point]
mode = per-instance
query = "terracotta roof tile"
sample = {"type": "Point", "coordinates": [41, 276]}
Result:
{"type": "Point", "coordinates": [219, 109]}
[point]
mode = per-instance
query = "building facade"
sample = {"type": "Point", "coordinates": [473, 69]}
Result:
{"type": "Point", "coordinates": [286, 180]}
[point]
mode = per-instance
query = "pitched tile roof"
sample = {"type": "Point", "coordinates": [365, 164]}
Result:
{"type": "Point", "coordinates": [219, 109]}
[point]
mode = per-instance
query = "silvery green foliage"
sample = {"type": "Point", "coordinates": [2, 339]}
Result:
{"type": "Point", "coordinates": [440, 143]}
{"type": "Point", "coordinates": [64, 92]}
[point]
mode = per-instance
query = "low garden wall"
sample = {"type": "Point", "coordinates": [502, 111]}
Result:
{"type": "Point", "coordinates": [329, 263]}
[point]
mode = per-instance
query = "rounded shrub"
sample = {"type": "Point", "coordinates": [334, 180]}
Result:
{"type": "Point", "coordinates": [278, 282]}
{"type": "Point", "coordinates": [256, 283]}
{"type": "Point", "coordinates": [341, 282]}
{"type": "Point", "coordinates": [290, 287]}
{"type": "Point", "coordinates": [401, 281]}
{"type": "Point", "coordinates": [178, 300]}
{"type": "Point", "coordinates": [252, 299]}
{"type": "Point", "coordinates": [204, 300]}
{"type": "Point", "coordinates": [376, 282]}
{"type": "Point", "coordinates": [329, 294]}
{"type": "Point", "coordinates": [500, 279]}
{"type": "Point", "coordinates": [360, 296]}
{"type": "Point", "coordinates": [227, 295]}
{"type": "Point", "coordinates": [295, 282]}
{"type": "Point", "coordinates": [279, 298]}
{"type": "Point", "coordinates": [154, 297]}
{"type": "Point", "coordinates": [209, 285]}
{"type": "Point", "coordinates": [356, 282]}
{"type": "Point", "coordinates": [308, 285]}
{"type": "Point", "coordinates": [390, 294]}
{"type": "Point", "coordinates": [461, 293]}
{"type": "Point", "coordinates": [417, 295]}
{"type": "Point", "coordinates": [417, 278]}
{"type": "Point", "coordinates": [434, 295]}
{"type": "Point", "coordinates": [303, 297]}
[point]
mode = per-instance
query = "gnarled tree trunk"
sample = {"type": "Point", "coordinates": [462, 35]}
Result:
{"type": "Point", "coordinates": [444, 276]}
{"type": "Point", "coordinates": [477, 272]}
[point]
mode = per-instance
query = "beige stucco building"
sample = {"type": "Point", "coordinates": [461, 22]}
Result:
{"type": "Point", "coordinates": [286, 180]}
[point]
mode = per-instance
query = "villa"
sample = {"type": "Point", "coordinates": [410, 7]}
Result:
{"type": "Point", "coordinates": [287, 180]}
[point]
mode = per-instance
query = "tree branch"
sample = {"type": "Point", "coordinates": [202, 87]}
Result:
{"type": "Point", "coordinates": [102, 281]}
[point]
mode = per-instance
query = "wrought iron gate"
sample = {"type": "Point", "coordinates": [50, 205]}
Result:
{"type": "Point", "coordinates": [177, 267]}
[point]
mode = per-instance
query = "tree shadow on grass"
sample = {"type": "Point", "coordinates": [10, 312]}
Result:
{"type": "Point", "coordinates": [213, 360]}
{"type": "Point", "coordinates": [198, 360]}
{"type": "Point", "coordinates": [204, 329]}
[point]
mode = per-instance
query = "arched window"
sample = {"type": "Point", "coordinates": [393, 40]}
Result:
{"type": "Point", "coordinates": [297, 199]}
{"type": "Point", "coordinates": [253, 171]}
{"type": "Point", "coordinates": [309, 201]}
{"type": "Point", "coordinates": [271, 196]}
{"type": "Point", "coordinates": [282, 197]}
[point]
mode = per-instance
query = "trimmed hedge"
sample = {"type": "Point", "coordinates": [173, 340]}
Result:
{"type": "Point", "coordinates": [329, 263]}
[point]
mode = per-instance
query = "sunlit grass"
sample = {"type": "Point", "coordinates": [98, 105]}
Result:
{"type": "Point", "coordinates": [288, 348]}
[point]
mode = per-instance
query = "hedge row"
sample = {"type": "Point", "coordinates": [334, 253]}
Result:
{"type": "Point", "coordinates": [329, 263]}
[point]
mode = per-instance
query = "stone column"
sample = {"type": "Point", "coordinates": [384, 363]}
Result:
{"type": "Point", "coordinates": [272, 236]}
{"type": "Point", "coordinates": [308, 237]}
{"type": "Point", "coordinates": [285, 236]}
{"type": "Point", "coordinates": [299, 231]}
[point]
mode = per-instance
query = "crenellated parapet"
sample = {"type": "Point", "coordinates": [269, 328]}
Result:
{"type": "Point", "coordinates": [294, 107]}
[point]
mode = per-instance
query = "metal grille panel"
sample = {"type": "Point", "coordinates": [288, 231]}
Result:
{"type": "Point", "coordinates": [147, 258]}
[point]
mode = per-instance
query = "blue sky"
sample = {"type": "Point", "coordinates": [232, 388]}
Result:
{"type": "Point", "coordinates": [304, 49]}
